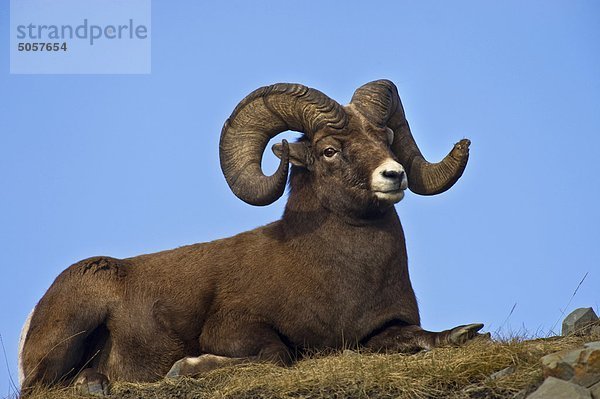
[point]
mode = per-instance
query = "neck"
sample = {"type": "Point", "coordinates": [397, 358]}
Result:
{"type": "Point", "coordinates": [305, 214]}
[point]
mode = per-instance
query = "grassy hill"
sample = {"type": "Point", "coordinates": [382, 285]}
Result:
{"type": "Point", "coordinates": [441, 373]}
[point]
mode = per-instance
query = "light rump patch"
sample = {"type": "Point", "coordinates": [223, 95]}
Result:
{"type": "Point", "coordinates": [24, 332]}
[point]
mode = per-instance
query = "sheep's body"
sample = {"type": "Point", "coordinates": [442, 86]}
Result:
{"type": "Point", "coordinates": [222, 278]}
{"type": "Point", "coordinates": [331, 273]}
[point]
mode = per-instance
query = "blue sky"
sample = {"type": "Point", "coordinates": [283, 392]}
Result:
{"type": "Point", "coordinates": [123, 165]}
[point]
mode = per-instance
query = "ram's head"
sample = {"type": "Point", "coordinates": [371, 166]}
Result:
{"type": "Point", "coordinates": [361, 155]}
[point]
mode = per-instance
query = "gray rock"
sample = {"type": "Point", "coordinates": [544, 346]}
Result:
{"type": "Point", "coordinates": [580, 366]}
{"type": "Point", "coordinates": [579, 321]}
{"type": "Point", "coordinates": [503, 373]}
{"type": "Point", "coordinates": [595, 391]}
{"type": "Point", "coordinates": [558, 389]}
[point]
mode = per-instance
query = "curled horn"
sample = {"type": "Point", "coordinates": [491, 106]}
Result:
{"type": "Point", "coordinates": [379, 102]}
{"type": "Point", "coordinates": [260, 116]}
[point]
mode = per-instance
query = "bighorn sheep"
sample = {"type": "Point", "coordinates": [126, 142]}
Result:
{"type": "Point", "coordinates": [332, 272]}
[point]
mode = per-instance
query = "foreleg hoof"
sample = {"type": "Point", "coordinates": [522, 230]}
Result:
{"type": "Point", "coordinates": [191, 366]}
{"type": "Point", "coordinates": [90, 382]}
{"type": "Point", "coordinates": [461, 334]}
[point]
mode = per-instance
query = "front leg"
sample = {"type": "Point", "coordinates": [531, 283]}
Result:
{"type": "Point", "coordinates": [232, 343]}
{"type": "Point", "coordinates": [411, 338]}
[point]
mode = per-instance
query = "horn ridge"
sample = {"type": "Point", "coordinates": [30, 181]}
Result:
{"type": "Point", "coordinates": [259, 117]}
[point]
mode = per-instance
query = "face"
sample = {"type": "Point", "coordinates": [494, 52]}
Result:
{"type": "Point", "coordinates": [355, 172]}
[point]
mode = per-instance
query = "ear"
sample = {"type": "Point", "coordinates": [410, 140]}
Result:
{"type": "Point", "coordinates": [390, 134]}
{"type": "Point", "coordinates": [298, 153]}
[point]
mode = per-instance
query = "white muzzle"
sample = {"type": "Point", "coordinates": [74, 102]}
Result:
{"type": "Point", "coordinates": [389, 181]}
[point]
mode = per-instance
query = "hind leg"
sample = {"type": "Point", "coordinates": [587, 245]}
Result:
{"type": "Point", "coordinates": [143, 345]}
{"type": "Point", "coordinates": [90, 382]}
{"type": "Point", "coordinates": [56, 344]}
{"type": "Point", "coordinates": [143, 355]}
{"type": "Point", "coordinates": [411, 338]}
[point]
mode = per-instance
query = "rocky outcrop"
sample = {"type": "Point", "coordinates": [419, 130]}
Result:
{"type": "Point", "coordinates": [573, 373]}
{"type": "Point", "coordinates": [580, 366]}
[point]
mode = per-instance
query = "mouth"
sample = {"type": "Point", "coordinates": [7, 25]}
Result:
{"type": "Point", "coordinates": [390, 196]}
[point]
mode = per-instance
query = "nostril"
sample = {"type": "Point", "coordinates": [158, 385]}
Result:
{"type": "Point", "coordinates": [393, 174]}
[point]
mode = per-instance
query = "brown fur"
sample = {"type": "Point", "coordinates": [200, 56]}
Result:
{"type": "Point", "coordinates": [331, 273]}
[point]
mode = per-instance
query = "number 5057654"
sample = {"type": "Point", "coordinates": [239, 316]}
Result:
{"type": "Point", "coordinates": [42, 46]}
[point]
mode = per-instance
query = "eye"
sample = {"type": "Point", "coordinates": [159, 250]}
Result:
{"type": "Point", "coordinates": [329, 152]}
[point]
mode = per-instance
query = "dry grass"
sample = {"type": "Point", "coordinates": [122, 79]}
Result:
{"type": "Point", "coordinates": [442, 373]}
